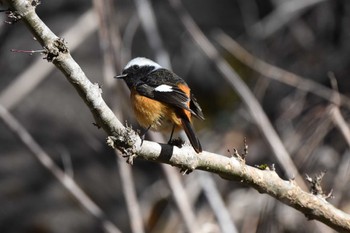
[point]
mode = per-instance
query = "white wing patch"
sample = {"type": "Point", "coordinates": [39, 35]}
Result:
{"type": "Point", "coordinates": [142, 61]}
{"type": "Point", "coordinates": [164, 88]}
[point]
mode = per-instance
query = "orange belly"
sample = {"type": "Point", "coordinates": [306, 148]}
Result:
{"type": "Point", "coordinates": [149, 112]}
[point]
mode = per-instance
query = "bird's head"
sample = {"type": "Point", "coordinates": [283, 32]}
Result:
{"type": "Point", "coordinates": [136, 69]}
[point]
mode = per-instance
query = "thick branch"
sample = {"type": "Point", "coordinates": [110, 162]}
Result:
{"type": "Point", "coordinates": [265, 181]}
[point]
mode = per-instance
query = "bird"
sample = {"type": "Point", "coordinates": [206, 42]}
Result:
{"type": "Point", "coordinates": [161, 100]}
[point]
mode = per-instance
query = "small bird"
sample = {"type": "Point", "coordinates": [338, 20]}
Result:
{"type": "Point", "coordinates": [161, 100]}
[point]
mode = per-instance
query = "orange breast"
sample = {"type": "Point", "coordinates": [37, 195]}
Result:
{"type": "Point", "coordinates": [149, 112]}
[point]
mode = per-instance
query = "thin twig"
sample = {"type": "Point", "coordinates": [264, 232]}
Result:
{"type": "Point", "coordinates": [148, 21]}
{"type": "Point", "coordinates": [67, 181]}
{"type": "Point", "coordinates": [342, 178]}
{"type": "Point", "coordinates": [67, 163]}
{"type": "Point", "coordinates": [130, 195]}
{"type": "Point", "coordinates": [104, 11]}
{"type": "Point", "coordinates": [181, 199]}
{"type": "Point", "coordinates": [29, 79]}
{"type": "Point", "coordinates": [217, 204]}
{"type": "Point", "coordinates": [179, 193]}
{"type": "Point", "coordinates": [281, 16]}
{"type": "Point", "coordinates": [337, 117]}
{"type": "Point", "coordinates": [109, 39]}
{"type": "Point", "coordinates": [277, 73]}
{"type": "Point", "coordinates": [313, 130]}
{"type": "Point", "coordinates": [129, 33]}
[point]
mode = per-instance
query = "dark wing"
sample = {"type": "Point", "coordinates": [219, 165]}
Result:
{"type": "Point", "coordinates": [176, 97]}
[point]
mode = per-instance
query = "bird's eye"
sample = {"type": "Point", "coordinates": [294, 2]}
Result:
{"type": "Point", "coordinates": [135, 67]}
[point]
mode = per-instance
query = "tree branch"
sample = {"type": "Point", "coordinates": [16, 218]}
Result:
{"type": "Point", "coordinates": [126, 140]}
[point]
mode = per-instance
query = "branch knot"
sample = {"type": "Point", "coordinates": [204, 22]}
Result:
{"type": "Point", "coordinates": [14, 16]}
{"type": "Point", "coordinates": [316, 188]}
{"type": "Point", "coordinates": [54, 49]}
{"type": "Point", "coordinates": [125, 141]}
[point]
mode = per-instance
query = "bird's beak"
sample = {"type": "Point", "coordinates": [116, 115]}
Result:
{"type": "Point", "coordinates": [121, 76]}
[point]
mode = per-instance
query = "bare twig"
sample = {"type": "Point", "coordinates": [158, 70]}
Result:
{"type": "Point", "coordinates": [336, 115]}
{"type": "Point", "coordinates": [313, 129]}
{"type": "Point", "coordinates": [217, 204]}
{"type": "Point", "coordinates": [181, 199]}
{"type": "Point", "coordinates": [109, 39]}
{"type": "Point", "coordinates": [148, 21]}
{"type": "Point", "coordinates": [129, 33]}
{"type": "Point", "coordinates": [60, 175]}
{"type": "Point", "coordinates": [39, 70]}
{"type": "Point", "coordinates": [342, 178]}
{"type": "Point", "coordinates": [281, 16]}
{"type": "Point", "coordinates": [130, 196]}
{"type": "Point", "coordinates": [67, 163]}
{"type": "Point", "coordinates": [277, 73]}
{"type": "Point", "coordinates": [30, 52]}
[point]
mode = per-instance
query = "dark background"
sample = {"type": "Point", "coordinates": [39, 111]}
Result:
{"type": "Point", "coordinates": [313, 43]}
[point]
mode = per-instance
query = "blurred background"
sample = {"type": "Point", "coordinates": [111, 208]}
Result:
{"type": "Point", "coordinates": [293, 55]}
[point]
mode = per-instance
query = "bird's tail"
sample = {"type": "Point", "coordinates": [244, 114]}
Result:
{"type": "Point", "coordinates": [187, 126]}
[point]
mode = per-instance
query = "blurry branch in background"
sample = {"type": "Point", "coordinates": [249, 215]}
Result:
{"type": "Point", "coordinates": [231, 76]}
{"type": "Point", "coordinates": [67, 181]}
{"type": "Point", "coordinates": [126, 140]}
{"type": "Point", "coordinates": [217, 204]}
{"type": "Point", "coordinates": [285, 12]}
{"type": "Point", "coordinates": [39, 70]}
{"type": "Point", "coordinates": [109, 39]}
{"type": "Point", "coordinates": [128, 36]}
{"type": "Point", "coordinates": [301, 32]}
{"type": "Point", "coordinates": [110, 46]}
{"type": "Point", "coordinates": [337, 117]}
{"type": "Point", "coordinates": [278, 74]}
{"type": "Point", "coordinates": [129, 192]}
{"type": "Point", "coordinates": [148, 21]}
{"type": "Point", "coordinates": [343, 174]}
{"type": "Point", "coordinates": [182, 199]}
{"type": "Point", "coordinates": [335, 98]}
{"type": "Point", "coordinates": [248, 98]}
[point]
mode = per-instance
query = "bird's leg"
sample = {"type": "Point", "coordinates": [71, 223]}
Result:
{"type": "Point", "coordinates": [144, 134]}
{"type": "Point", "coordinates": [177, 141]}
{"type": "Point", "coordinates": [171, 135]}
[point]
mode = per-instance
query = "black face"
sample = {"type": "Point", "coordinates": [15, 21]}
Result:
{"type": "Point", "coordinates": [134, 73]}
